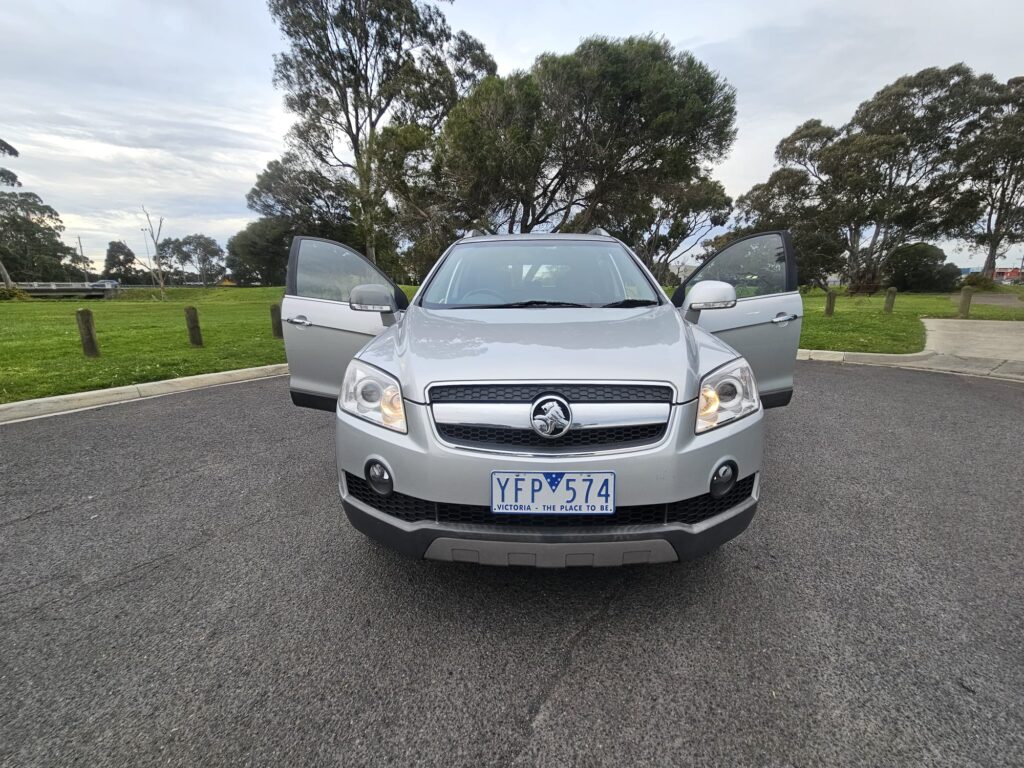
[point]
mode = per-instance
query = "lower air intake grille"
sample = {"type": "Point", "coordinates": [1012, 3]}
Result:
{"type": "Point", "coordinates": [689, 511]}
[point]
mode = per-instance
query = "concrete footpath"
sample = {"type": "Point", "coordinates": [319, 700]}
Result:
{"type": "Point", "coordinates": [993, 348]}
{"type": "Point", "coordinates": [50, 406]}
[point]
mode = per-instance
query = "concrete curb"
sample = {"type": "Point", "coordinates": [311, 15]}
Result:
{"type": "Point", "coordinates": [935, 362]}
{"type": "Point", "coordinates": [52, 406]}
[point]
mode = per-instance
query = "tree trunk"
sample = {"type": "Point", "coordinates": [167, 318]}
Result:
{"type": "Point", "coordinates": [371, 252]}
{"type": "Point", "coordinates": [8, 283]}
{"type": "Point", "coordinates": [989, 270]}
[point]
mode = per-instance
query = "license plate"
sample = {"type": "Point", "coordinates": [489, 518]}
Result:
{"type": "Point", "coordinates": [553, 493]}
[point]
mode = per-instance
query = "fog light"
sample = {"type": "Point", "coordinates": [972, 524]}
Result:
{"type": "Point", "coordinates": [379, 477]}
{"type": "Point", "coordinates": [724, 479]}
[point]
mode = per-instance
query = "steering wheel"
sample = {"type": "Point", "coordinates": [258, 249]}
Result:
{"type": "Point", "coordinates": [468, 298]}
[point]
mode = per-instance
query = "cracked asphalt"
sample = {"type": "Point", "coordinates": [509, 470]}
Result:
{"type": "Point", "coordinates": [178, 586]}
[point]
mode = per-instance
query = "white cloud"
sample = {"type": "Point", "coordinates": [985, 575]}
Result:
{"type": "Point", "coordinates": [120, 103]}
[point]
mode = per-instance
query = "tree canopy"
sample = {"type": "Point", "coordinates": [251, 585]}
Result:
{"type": "Point", "coordinates": [934, 154]}
{"type": "Point", "coordinates": [119, 263]}
{"type": "Point", "coordinates": [30, 244]}
{"type": "Point", "coordinates": [579, 134]}
{"type": "Point", "coordinates": [351, 69]}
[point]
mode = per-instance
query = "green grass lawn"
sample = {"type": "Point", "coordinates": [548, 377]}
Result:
{"type": "Point", "coordinates": [860, 325]}
{"type": "Point", "coordinates": [143, 339]}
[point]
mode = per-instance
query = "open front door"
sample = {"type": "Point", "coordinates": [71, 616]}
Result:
{"type": "Point", "coordinates": [764, 326]}
{"type": "Point", "coordinates": [322, 332]}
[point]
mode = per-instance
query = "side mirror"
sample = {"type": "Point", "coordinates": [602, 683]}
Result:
{"type": "Point", "coordinates": [708, 294]}
{"type": "Point", "coordinates": [372, 297]}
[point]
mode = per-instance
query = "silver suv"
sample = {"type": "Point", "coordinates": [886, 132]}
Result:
{"type": "Point", "coordinates": [541, 401]}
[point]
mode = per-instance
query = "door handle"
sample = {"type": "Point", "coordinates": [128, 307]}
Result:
{"type": "Point", "coordinates": [298, 320]}
{"type": "Point", "coordinates": [783, 318]}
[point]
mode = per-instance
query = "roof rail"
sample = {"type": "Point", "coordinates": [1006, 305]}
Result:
{"type": "Point", "coordinates": [599, 231]}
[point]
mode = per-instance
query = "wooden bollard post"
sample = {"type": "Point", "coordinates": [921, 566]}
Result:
{"type": "Point", "coordinates": [195, 335]}
{"type": "Point", "coordinates": [87, 331]}
{"type": "Point", "coordinates": [890, 299]}
{"type": "Point", "coordinates": [965, 302]}
{"type": "Point", "coordinates": [830, 303]}
{"type": "Point", "coordinates": [275, 321]}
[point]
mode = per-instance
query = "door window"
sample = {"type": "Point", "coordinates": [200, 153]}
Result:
{"type": "Point", "coordinates": [755, 266]}
{"type": "Point", "coordinates": [330, 271]}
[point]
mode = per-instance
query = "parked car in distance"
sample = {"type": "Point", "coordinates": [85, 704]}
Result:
{"type": "Point", "coordinates": [542, 401]}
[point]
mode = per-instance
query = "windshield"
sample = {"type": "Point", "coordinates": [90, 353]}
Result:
{"type": "Point", "coordinates": [538, 273]}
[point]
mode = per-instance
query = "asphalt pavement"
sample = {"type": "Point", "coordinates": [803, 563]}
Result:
{"type": "Point", "coordinates": [178, 586]}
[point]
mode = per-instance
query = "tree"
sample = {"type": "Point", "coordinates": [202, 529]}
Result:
{"type": "Point", "coordinates": [119, 262]}
{"type": "Point", "coordinates": [579, 133]}
{"type": "Point", "coordinates": [353, 66]}
{"type": "Point", "coordinates": [259, 253]}
{"type": "Point", "coordinates": [890, 174]}
{"type": "Point", "coordinates": [992, 159]}
{"type": "Point", "coordinates": [8, 179]}
{"type": "Point", "coordinates": [788, 200]}
{"type": "Point", "coordinates": [921, 267]}
{"type": "Point", "coordinates": [30, 239]}
{"type": "Point", "coordinates": [666, 228]}
{"type": "Point", "coordinates": [287, 190]}
{"type": "Point", "coordinates": [159, 266]}
{"type": "Point", "coordinates": [205, 255]}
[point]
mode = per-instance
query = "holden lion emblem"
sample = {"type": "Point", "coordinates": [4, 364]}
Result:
{"type": "Point", "coordinates": [550, 416]}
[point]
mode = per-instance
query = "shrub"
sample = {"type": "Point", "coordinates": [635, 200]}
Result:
{"type": "Point", "coordinates": [920, 267]}
{"type": "Point", "coordinates": [13, 294]}
{"type": "Point", "coordinates": [980, 282]}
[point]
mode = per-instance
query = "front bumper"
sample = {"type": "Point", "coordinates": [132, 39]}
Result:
{"type": "Point", "coordinates": [679, 467]}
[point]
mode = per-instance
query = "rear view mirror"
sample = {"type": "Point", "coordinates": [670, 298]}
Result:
{"type": "Point", "coordinates": [708, 294]}
{"type": "Point", "coordinates": [372, 297]}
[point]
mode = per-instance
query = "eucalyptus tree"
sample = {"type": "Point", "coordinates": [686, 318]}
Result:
{"type": "Point", "coordinates": [354, 67]}
{"type": "Point", "coordinates": [667, 227]}
{"type": "Point", "coordinates": [992, 160]}
{"type": "Point", "coordinates": [569, 139]}
{"type": "Point", "coordinates": [890, 175]}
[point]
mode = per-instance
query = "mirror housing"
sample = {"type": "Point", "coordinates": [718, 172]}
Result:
{"type": "Point", "coordinates": [372, 297]}
{"type": "Point", "coordinates": [708, 294]}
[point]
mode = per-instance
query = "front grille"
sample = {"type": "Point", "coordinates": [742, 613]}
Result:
{"type": "Point", "coordinates": [506, 438]}
{"type": "Point", "coordinates": [689, 511]}
{"type": "Point", "coordinates": [527, 393]}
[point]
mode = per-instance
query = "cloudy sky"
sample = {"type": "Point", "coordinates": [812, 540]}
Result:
{"type": "Point", "coordinates": [169, 103]}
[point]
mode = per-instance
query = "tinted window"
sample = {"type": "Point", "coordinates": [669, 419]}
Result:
{"type": "Point", "coordinates": [755, 266]}
{"type": "Point", "coordinates": [329, 271]}
{"type": "Point", "coordinates": [591, 273]}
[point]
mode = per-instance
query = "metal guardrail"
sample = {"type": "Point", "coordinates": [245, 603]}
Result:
{"type": "Point", "coordinates": [60, 289]}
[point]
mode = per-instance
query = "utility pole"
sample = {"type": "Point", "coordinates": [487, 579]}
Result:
{"type": "Point", "coordinates": [81, 252]}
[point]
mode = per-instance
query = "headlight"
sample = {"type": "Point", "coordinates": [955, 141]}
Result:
{"type": "Point", "coordinates": [726, 394]}
{"type": "Point", "coordinates": [371, 394]}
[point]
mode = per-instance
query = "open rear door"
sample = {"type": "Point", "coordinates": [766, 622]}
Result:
{"type": "Point", "coordinates": [764, 326]}
{"type": "Point", "coordinates": [322, 332]}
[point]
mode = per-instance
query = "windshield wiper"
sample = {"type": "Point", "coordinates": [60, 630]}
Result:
{"type": "Point", "coordinates": [531, 303]}
{"type": "Point", "coordinates": [627, 303]}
